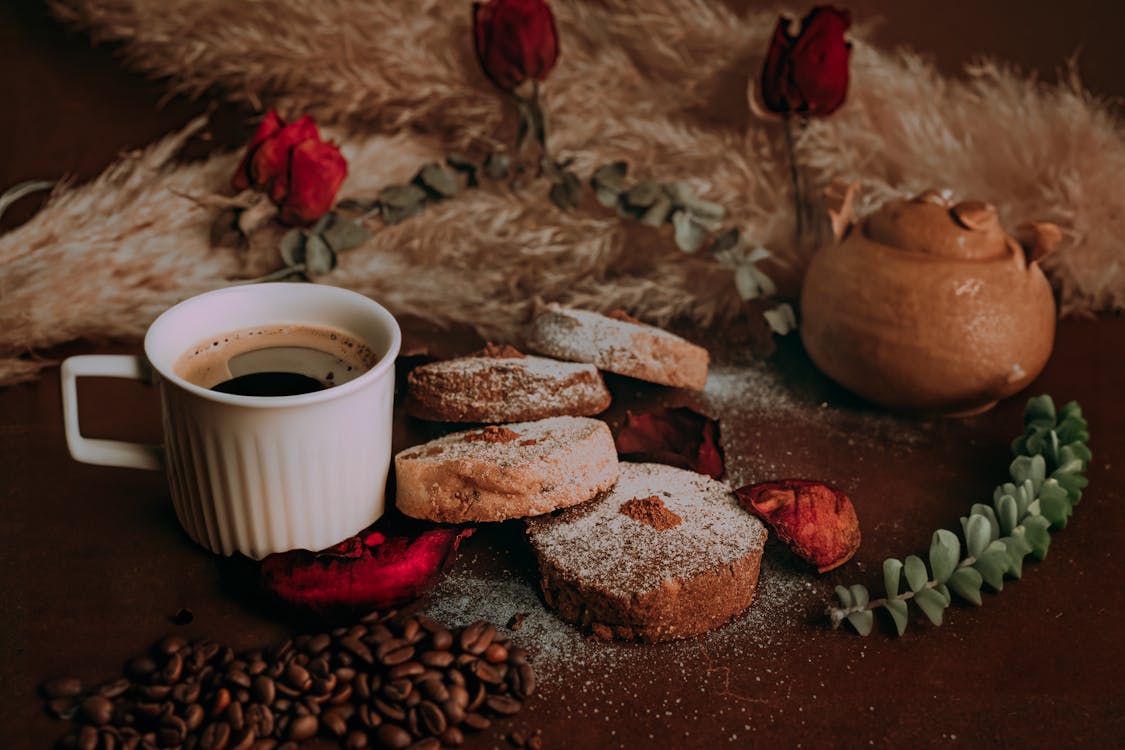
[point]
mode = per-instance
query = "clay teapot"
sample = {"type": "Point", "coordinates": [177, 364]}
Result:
{"type": "Point", "coordinates": [928, 306]}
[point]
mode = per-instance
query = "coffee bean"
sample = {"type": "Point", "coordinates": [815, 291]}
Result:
{"type": "Point", "coordinates": [323, 686]}
{"type": "Point", "coordinates": [496, 654]}
{"type": "Point", "coordinates": [140, 667]}
{"type": "Point", "coordinates": [428, 743]}
{"type": "Point", "coordinates": [235, 717]}
{"type": "Point", "coordinates": [265, 743]}
{"type": "Point", "coordinates": [379, 633]}
{"type": "Point", "coordinates": [454, 712]}
{"type": "Point", "coordinates": [303, 728]}
{"type": "Point", "coordinates": [155, 692]}
{"type": "Point", "coordinates": [393, 736]}
{"type": "Point", "coordinates": [172, 669]}
{"type": "Point", "coordinates": [477, 637]}
{"type": "Point", "coordinates": [170, 645]}
{"type": "Point", "coordinates": [526, 681]}
{"type": "Point", "coordinates": [476, 722]}
{"type": "Point", "coordinates": [87, 738]}
{"type": "Point", "coordinates": [238, 679]}
{"type": "Point", "coordinates": [113, 688]}
{"type": "Point", "coordinates": [341, 695]}
{"type": "Point", "coordinates": [168, 738]}
{"type": "Point", "coordinates": [193, 717]}
{"type": "Point", "coordinates": [220, 702]}
{"type": "Point", "coordinates": [177, 725]}
{"type": "Point", "coordinates": [263, 689]}
{"type": "Point", "coordinates": [282, 704]}
{"type": "Point", "coordinates": [412, 631]}
{"type": "Point", "coordinates": [186, 692]}
{"type": "Point", "coordinates": [438, 659]}
{"type": "Point", "coordinates": [487, 673]}
{"type": "Point", "coordinates": [398, 690]}
{"type": "Point", "coordinates": [478, 697]}
{"type": "Point", "coordinates": [215, 736]}
{"type": "Point", "coordinates": [432, 717]}
{"type": "Point", "coordinates": [502, 704]}
{"type": "Point", "coordinates": [413, 723]}
{"type": "Point", "coordinates": [517, 655]}
{"type": "Point", "coordinates": [407, 669]}
{"type": "Point", "coordinates": [434, 690]}
{"type": "Point", "coordinates": [388, 710]}
{"type": "Point", "coordinates": [362, 686]}
{"type": "Point", "coordinates": [297, 677]}
{"type": "Point", "coordinates": [63, 708]}
{"type": "Point", "coordinates": [288, 746]}
{"type": "Point", "coordinates": [334, 722]}
{"type": "Point", "coordinates": [242, 740]}
{"type": "Point", "coordinates": [318, 643]}
{"type": "Point", "coordinates": [452, 737]}
{"type": "Point", "coordinates": [97, 709]}
{"type": "Point", "coordinates": [356, 740]}
{"type": "Point", "coordinates": [459, 695]}
{"type": "Point", "coordinates": [107, 740]}
{"type": "Point", "coordinates": [535, 743]}
{"type": "Point", "coordinates": [259, 718]}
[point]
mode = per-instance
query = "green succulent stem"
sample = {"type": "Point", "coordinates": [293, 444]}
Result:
{"type": "Point", "coordinates": [1048, 475]}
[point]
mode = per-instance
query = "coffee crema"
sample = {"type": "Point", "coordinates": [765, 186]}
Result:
{"type": "Point", "coordinates": [276, 360]}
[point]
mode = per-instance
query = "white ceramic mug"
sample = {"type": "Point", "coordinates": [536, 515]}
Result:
{"type": "Point", "coordinates": [256, 474]}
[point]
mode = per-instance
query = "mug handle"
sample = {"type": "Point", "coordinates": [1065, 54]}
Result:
{"type": "Point", "coordinates": [95, 450]}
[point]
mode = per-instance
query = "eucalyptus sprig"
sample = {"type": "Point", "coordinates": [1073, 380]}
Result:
{"type": "Point", "coordinates": [1048, 476]}
{"type": "Point", "coordinates": [696, 224]}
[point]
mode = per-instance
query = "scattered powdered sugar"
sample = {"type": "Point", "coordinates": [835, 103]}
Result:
{"type": "Point", "coordinates": [535, 445]}
{"type": "Point", "coordinates": [598, 545]}
{"type": "Point", "coordinates": [557, 649]}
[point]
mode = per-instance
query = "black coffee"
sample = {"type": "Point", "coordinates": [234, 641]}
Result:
{"type": "Point", "coordinates": [270, 384]}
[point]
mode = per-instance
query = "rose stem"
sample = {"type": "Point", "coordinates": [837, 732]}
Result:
{"type": "Point", "coordinates": [793, 175]}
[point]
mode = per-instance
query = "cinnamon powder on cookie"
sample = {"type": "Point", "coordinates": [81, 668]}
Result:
{"type": "Point", "coordinates": [652, 511]}
{"type": "Point", "coordinates": [498, 351]}
{"type": "Point", "coordinates": [492, 434]}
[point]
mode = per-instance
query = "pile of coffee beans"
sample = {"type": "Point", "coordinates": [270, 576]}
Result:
{"type": "Point", "coordinates": [389, 681]}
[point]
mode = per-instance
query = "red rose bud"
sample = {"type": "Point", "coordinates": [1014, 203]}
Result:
{"type": "Point", "coordinates": [316, 171]}
{"type": "Point", "coordinates": [808, 74]}
{"type": "Point", "coordinates": [372, 570]}
{"type": "Point", "coordinates": [817, 521]}
{"type": "Point", "coordinates": [679, 437]}
{"type": "Point", "coordinates": [270, 127]}
{"type": "Point", "coordinates": [516, 40]}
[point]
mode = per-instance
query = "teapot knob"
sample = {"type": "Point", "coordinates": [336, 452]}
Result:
{"type": "Point", "coordinates": [976, 215]}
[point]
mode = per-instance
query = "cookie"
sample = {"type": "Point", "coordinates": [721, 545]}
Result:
{"type": "Point", "coordinates": [620, 344]}
{"type": "Point", "coordinates": [667, 553]}
{"type": "Point", "coordinates": [500, 384]}
{"type": "Point", "coordinates": [511, 471]}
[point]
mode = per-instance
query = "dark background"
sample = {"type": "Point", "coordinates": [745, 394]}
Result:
{"type": "Point", "coordinates": [93, 564]}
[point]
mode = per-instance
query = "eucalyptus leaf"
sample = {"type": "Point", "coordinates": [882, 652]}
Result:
{"type": "Point", "coordinates": [401, 196]}
{"type": "Point", "coordinates": [345, 233]}
{"type": "Point", "coordinates": [978, 533]}
{"type": "Point", "coordinates": [980, 509]}
{"type": "Point", "coordinates": [1040, 410]}
{"type": "Point", "coordinates": [689, 235]}
{"type": "Point", "coordinates": [681, 192]}
{"type": "Point", "coordinates": [392, 215]}
{"type": "Point", "coordinates": [1035, 531]}
{"type": "Point", "coordinates": [847, 601]}
{"type": "Point", "coordinates": [292, 247]}
{"type": "Point", "coordinates": [945, 552]}
{"type": "Point", "coordinates": [892, 576]}
{"type": "Point", "coordinates": [464, 165]}
{"type": "Point", "coordinates": [610, 177]}
{"type": "Point", "coordinates": [992, 564]}
{"type": "Point", "coordinates": [658, 212]}
{"type": "Point", "coordinates": [860, 595]}
{"type": "Point", "coordinates": [702, 209]}
{"type": "Point", "coordinates": [643, 194]}
{"type": "Point", "coordinates": [966, 583]}
{"type": "Point", "coordinates": [1033, 468]}
{"type": "Point", "coordinates": [319, 258]}
{"type": "Point", "coordinates": [497, 166]}
{"type": "Point", "coordinates": [757, 254]}
{"type": "Point", "coordinates": [781, 319]}
{"type": "Point", "coordinates": [1007, 513]}
{"type": "Point", "coordinates": [932, 605]}
{"type": "Point", "coordinates": [899, 613]}
{"type": "Point", "coordinates": [437, 182]}
{"type": "Point", "coordinates": [606, 197]}
{"type": "Point", "coordinates": [323, 223]}
{"type": "Point", "coordinates": [916, 575]}
{"type": "Point", "coordinates": [752, 283]}
{"type": "Point", "coordinates": [862, 621]}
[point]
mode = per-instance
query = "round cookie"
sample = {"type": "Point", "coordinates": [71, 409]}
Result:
{"type": "Point", "coordinates": [496, 473]}
{"type": "Point", "coordinates": [502, 385]}
{"type": "Point", "coordinates": [620, 344]}
{"type": "Point", "coordinates": [666, 553]}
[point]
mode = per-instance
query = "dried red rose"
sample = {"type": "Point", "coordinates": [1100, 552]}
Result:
{"type": "Point", "coordinates": [807, 74]}
{"type": "Point", "coordinates": [817, 521]}
{"type": "Point", "coordinates": [679, 437]}
{"type": "Point", "coordinates": [516, 40]}
{"type": "Point", "coordinates": [372, 570]}
{"type": "Point", "coordinates": [300, 172]}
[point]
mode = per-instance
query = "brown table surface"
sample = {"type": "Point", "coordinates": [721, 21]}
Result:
{"type": "Point", "coordinates": [94, 564]}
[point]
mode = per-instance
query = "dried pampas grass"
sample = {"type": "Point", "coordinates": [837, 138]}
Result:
{"type": "Point", "coordinates": [649, 83]}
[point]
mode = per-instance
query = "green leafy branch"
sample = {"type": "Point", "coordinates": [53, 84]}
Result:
{"type": "Point", "coordinates": [1048, 476]}
{"type": "Point", "coordinates": [696, 224]}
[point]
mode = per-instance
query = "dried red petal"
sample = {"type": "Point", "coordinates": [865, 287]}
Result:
{"type": "Point", "coordinates": [270, 126]}
{"type": "Point", "coordinates": [316, 171]}
{"type": "Point", "coordinates": [679, 437]}
{"type": "Point", "coordinates": [816, 520]}
{"type": "Point", "coordinates": [373, 570]}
